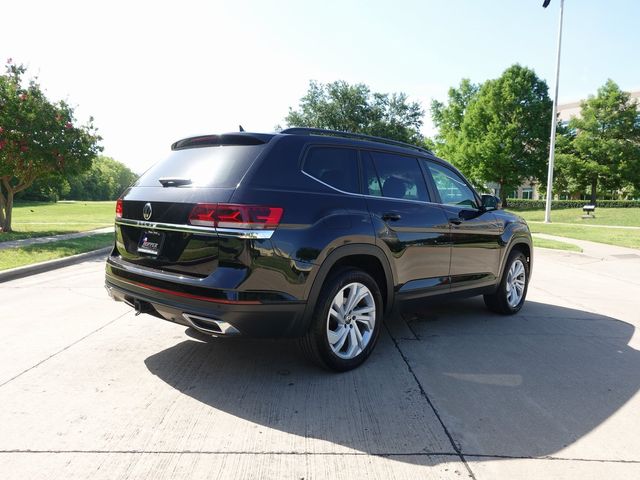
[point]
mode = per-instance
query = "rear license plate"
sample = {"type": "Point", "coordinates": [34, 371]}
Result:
{"type": "Point", "coordinates": [150, 242]}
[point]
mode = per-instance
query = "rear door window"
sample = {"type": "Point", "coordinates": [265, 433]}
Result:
{"type": "Point", "coordinates": [370, 177]}
{"type": "Point", "coordinates": [220, 166]}
{"type": "Point", "coordinates": [397, 177]}
{"type": "Point", "coordinates": [335, 166]}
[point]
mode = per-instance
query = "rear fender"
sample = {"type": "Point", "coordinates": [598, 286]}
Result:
{"type": "Point", "coordinates": [332, 259]}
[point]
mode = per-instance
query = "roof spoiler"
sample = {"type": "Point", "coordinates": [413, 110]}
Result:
{"type": "Point", "coordinates": [222, 139]}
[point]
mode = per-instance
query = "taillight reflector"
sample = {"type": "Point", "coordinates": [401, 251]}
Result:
{"type": "Point", "coordinates": [223, 215]}
{"type": "Point", "coordinates": [119, 208]}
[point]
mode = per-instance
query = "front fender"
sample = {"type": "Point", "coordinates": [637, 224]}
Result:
{"type": "Point", "coordinates": [515, 232]}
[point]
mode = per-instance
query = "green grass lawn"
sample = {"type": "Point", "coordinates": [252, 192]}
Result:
{"type": "Point", "coordinates": [17, 257]}
{"type": "Point", "coordinates": [37, 219]}
{"type": "Point", "coordinates": [555, 244]}
{"type": "Point", "coordinates": [628, 217]}
{"type": "Point", "coordinates": [613, 236]}
{"type": "Point", "coordinates": [580, 229]}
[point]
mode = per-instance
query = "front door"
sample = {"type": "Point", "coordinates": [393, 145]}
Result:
{"type": "Point", "coordinates": [475, 233]}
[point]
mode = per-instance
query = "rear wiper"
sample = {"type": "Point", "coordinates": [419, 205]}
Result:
{"type": "Point", "coordinates": [174, 181]}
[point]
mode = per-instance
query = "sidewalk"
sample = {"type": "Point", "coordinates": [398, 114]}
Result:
{"type": "Point", "coordinates": [587, 225]}
{"type": "Point", "coordinates": [52, 238]}
{"type": "Point", "coordinates": [602, 251]}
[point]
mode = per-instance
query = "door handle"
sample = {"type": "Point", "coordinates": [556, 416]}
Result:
{"type": "Point", "coordinates": [455, 221]}
{"type": "Point", "coordinates": [391, 217]}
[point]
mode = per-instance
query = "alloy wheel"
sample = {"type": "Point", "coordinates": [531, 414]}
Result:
{"type": "Point", "coordinates": [516, 280]}
{"type": "Point", "coordinates": [351, 320]}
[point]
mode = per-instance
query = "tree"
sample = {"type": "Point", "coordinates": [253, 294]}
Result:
{"type": "Point", "coordinates": [353, 108]}
{"type": "Point", "coordinates": [46, 189]}
{"type": "Point", "coordinates": [38, 138]}
{"type": "Point", "coordinates": [497, 132]}
{"type": "Point", "coordinates": [564, 176]}
{"type": "Point", "coordinates": [448, 120]}
{"type": "Point", "coordinates": [105, 180]}
{"type": "Point", "coordinates": [602, 146]}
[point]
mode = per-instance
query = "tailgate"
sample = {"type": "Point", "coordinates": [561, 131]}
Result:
{"type": "Point", "coordinates": [154, 230]}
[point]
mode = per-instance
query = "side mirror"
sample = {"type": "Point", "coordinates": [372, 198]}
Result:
{"type": "Point", "coordinates": [491, 202]}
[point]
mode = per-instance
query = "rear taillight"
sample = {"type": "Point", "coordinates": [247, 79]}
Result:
{"type": "Point", "coordinates": [247, 216]}
{"type": "Point", "coordinates": [119, 208]}
{"type": "Point", "coordinates": [203, 215]}
{"type": "Point", "coordinates": [223, 215]}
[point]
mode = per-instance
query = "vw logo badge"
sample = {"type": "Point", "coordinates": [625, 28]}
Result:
{"type": "Point", "coordinates": [147, 211]}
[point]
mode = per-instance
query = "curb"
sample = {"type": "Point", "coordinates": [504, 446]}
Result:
{"type": "Point", "coordinates": [27, 270]}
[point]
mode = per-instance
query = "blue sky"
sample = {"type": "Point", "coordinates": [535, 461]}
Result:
{"type": "Point", "coordinates": [152, 72]}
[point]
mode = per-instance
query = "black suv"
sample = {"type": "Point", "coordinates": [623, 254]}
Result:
{"type": "Point", "coordinates": [309, 233]}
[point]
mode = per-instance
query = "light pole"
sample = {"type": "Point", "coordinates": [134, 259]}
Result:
{"type": "Point", "coordinates": [552, 144]}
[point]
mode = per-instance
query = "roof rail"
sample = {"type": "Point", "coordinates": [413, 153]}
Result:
{"type": "Point", "coordinates": [358, 136]}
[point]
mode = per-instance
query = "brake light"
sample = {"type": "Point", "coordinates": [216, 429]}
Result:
{"type": "Point", "coordinates": [222, 215]}
{"type": "Point", "coordinates": [203, 215]}
{"type": "Point", "coordinates": [247, 216]}
{"type": "Point", "coordinates": [119, 208]}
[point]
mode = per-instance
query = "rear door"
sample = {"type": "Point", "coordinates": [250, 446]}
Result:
{"type": "Point", "coordinates": [412, 230]}
{"type": "Point", "coordinates": [154, 229]}
{"type": "Point", "coordinates": [475, 234]}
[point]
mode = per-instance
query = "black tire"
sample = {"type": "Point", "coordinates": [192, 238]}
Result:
{"type": "Point", "coordinates": [315, 344]}
{"type": "Point", "coordinates": [499, 301]}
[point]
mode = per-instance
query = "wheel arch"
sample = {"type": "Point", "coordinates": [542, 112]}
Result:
{"type": "Point", "coordinates": [366, 257]}
{"type": "Point", "coordinates": [523, 244]}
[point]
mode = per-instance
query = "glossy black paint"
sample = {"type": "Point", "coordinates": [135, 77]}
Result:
{"type": "Point", "coordinates": [476, 247]}
{"type": "Point", "coordinates": [418, 243]}
{"type": "Point", "coordinates": [268, 287]}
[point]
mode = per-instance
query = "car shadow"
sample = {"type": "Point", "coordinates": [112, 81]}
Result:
{"type": "Point", "coordinates": [526, 385]}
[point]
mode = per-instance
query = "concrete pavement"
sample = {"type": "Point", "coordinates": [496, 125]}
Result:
{"type": "Point", "coordinates": [88, 390]}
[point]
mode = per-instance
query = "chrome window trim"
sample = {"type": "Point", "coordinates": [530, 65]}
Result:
{"type": "Point", "coordinates": [172, 227]}
{"type": "Point", "coordinates": [362, 195]}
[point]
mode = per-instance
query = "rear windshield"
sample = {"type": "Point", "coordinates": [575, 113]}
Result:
{"type": "Point", "coordinates": [219, 166]}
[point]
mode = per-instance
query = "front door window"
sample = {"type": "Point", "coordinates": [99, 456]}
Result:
{"type": "Point", "coordinates": [452, 189]}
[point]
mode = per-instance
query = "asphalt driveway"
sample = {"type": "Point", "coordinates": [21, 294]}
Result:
{"type": "Point", "coordinates": [88, 390]}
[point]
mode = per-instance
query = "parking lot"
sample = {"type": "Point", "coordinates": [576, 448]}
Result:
{"type": "Point", "coordinates": [89, 390]}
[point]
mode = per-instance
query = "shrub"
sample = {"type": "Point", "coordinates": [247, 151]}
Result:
{"type": "Point", "coordinates": [522, 204]}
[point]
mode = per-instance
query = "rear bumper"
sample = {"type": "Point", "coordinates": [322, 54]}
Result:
{"type": "Point", "coordinates": [213, 316]}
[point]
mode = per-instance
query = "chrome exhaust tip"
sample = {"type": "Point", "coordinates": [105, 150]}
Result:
{"type": "Point", "coordinates": [210, 326]}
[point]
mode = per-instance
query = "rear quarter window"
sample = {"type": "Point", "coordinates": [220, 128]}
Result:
{"type": "Point", "coordinates": [220, 166]}
{"type": "Point", "coordinates": [334, 166]}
